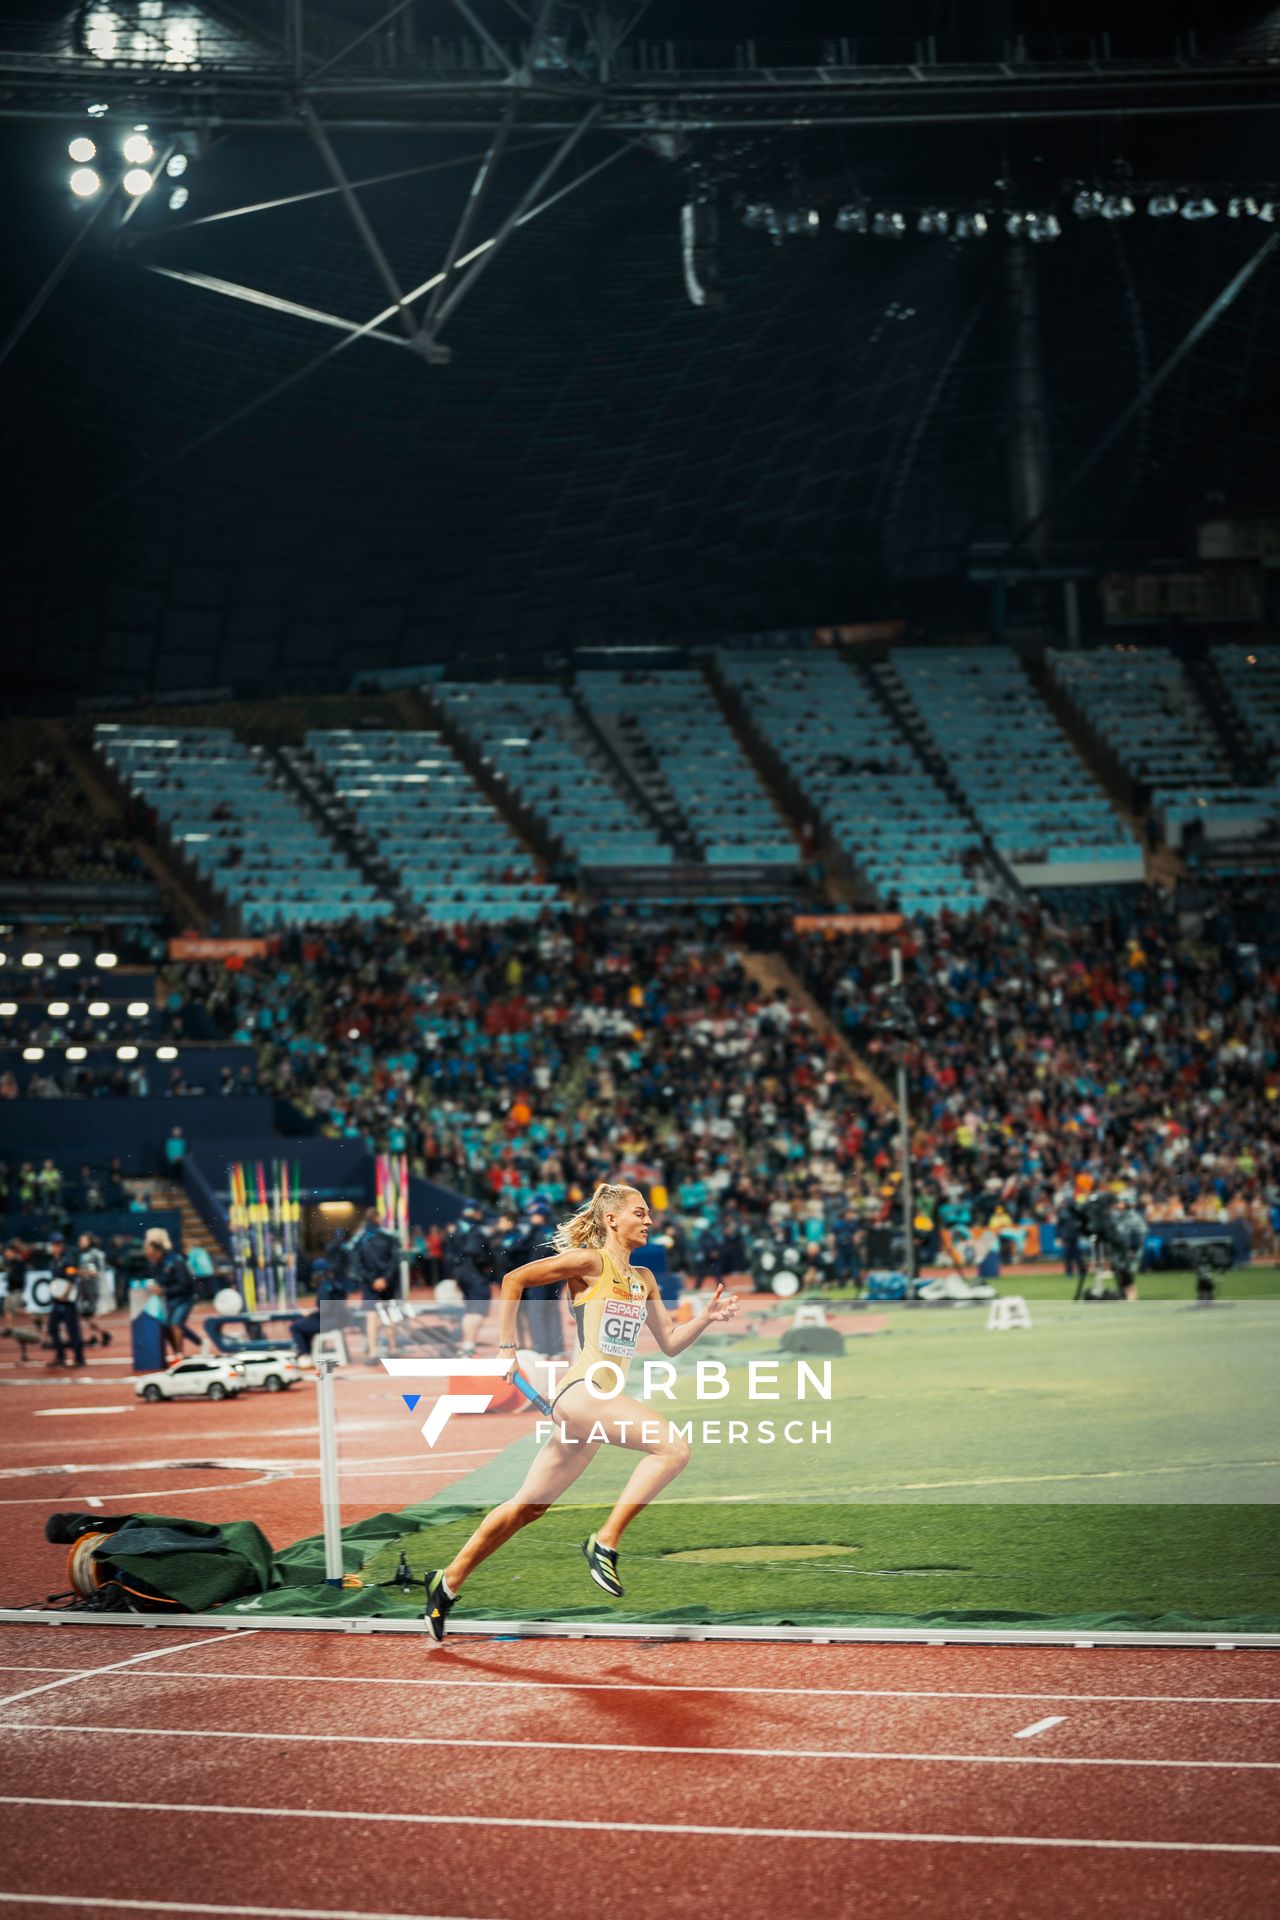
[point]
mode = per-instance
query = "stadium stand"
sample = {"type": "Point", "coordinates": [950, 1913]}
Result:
{"type": "Point", "coordinates": [669, 728]}
{"type": "Point", "coordinates": [1249, 672]}
{"type": "Point", "coordinates": [50, 832]}
{"type": "Point", "coordinates": [536, 746]}
{"type": "Point", "coordinates": [1025, 784]}
{"type": "Point", "coordinates": [1147, 720]}
{"type": "Point", "coordinates": [416, 811]}
{"type": "Point", "coordinates": [226, 808]}
{"type": "Point", "coordinates": [848, 757]}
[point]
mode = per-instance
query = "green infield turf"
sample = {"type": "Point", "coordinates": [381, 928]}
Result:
{"type": "Point", "coordinates": [1109, 1461]}
{"type": "Point", "coordinates": [1156, 1567]}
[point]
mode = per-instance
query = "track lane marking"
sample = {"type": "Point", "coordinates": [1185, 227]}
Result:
{"type": "Point", "coordinates": [385, 1817]}
{"type": "Point", "coordinates": [92, 1673]}
{"type": "Point", "coordinates": [629, 1746]}
{"type": "Point", "coordinates": [659, 1686]}
{"type": "Point", "coordinates": [81, 1902]}
{"type": "Point", "coordinates": [1040, 1726]}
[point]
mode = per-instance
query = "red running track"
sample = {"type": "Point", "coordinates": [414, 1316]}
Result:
{"type": "Point", "coordinates": [307, 1775]}
{"type": "Point", "coordinates": [290, 1776]}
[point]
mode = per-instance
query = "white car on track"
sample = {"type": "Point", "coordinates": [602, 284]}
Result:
{"type": "Point", "coordinates": [274, 1371]}
{"type": "Point", "coordinates": [207, 1379]}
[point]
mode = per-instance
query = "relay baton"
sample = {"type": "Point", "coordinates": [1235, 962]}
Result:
{"type": "Point", "coordinates": [531, 1394]}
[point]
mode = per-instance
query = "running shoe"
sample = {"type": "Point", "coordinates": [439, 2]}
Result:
{"type": "Point", "coordinates": [440, 1604]}
{"type": "Point", "coordinates": [603, 1564]}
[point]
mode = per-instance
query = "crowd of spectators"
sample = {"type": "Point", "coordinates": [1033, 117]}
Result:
{"type": "Point", "coordinates": [1140, 1050]}
{"type": "Point", "coordinates": [52, 834]}
{"type": "Point", "coordinates": [1141, 1053]}
{"type": "Point", "coordinates": [1051, 1059]}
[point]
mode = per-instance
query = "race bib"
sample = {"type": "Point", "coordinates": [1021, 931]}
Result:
{"type": "Point", "coordinates": [620, 1324]}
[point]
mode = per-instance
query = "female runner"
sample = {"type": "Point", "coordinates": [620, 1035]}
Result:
{"type": "Point", "coordinates": [612, 1300]}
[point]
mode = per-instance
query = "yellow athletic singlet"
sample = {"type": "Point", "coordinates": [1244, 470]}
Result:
{"type": "Point", "coordinates": [609, 1314]}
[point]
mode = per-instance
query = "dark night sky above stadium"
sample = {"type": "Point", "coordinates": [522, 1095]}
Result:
{"type": "Point", "coordinates": [600, 460]}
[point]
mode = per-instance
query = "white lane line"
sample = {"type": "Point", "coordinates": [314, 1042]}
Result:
{"type": "Point", "coordinates": [82, 1901]}
{"type": "Point", "coordinates": [283, 1464]}
{"type": "Point", "coordinates": [66, 1413]}
{"type": "Point", "coordinates": [1040, 1726]}
{"type": "Point", "coordinates": [659, 1686]}
{"type": "Point", "coordinates": [672, 1827]}
{"type": "Point", "coordinates": [625, 1746]}
{"type": "Point", "coordinates": [119, 1494]}
{"type": "Point", "coordinates": [91, 1673]}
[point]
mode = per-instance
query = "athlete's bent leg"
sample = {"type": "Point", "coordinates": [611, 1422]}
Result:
{"type": "Point", "coordinates": [556, 1467]}
{"type": "Point", "coordinates": [666, 1453]}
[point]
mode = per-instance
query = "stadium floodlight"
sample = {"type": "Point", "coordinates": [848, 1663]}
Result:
{"type": "Point", "coordinates": [126, 1053]}
{"type": "Point", "coordinates": [176, 165]}
{"type": "Point", "coordinates": [1242, 207]}
{"type": "Point", "coordinates": [99, 1009]}
{"type": "Point", "coordinates": [933, 220]}
{"type": "Point", "coordinates": [166, 1053]}
{"type": "Point", "coordinates": [76, 1053]}
{"type": "Point", "coordinates": [33, 1053]}
{"type": "Point", "coordinates": [1086, 204]}
{"type": "Point", "coordinates": [96, 111]}
{"type": "Point", "coordinates": [105, 960]}
{"type": "Point", "coordinates": [889, 226]}
{"type": "Point", "coordinates": [353, 1033]}
{"type": "Point", "coordinates": [971, 226]}
{"type": "Point", "coordinates": [138, 1009]}
{"type": "Point", "coordinates": [68, 959]}
{"type": "Point", "coordinates": [1043, 226]}
{"type": "Point", "coordinates": [7, 1009]}
{"type": "Point", "coordinates": [33, 959]}
{"type": "Point", "coordinates": [84, 183]}
{"type": "Point", "coordinates": [1117, 206]}
{"type": "Point", "coordinates": [138, 149]}
{"type": "Point", "coordinates": [58, 1009]}
{"type": "Point", "coordinates": [1201, 208]}
{"type": "Point", "coordinates": [178, 199]}
{"type": "Point", "coordinates": [1267, 211]}
{"type": "Point", "coordinates": [137, 182]}
{"type": "Point", "coordinates": [1161, 205]}
{"type": "Point", "coordinates": [82, 149]}
{"type": "Point", "coordinates": [851, 220]}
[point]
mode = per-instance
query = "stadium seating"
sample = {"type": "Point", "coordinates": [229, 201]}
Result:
{"type": "Point", "coordinates": [1249, 671]}
{"type": "Point", "coordinates": [51, 833]}
{"type": "Point", "coordinates": [848, 757]}
{"type": "Point", "coordinates": [1026, 785]}
{"type": "Point", "coordinates": [226, 809]}
{"type": "Point", "coordinates": [1147, 717]}
{"type": "Point", "coordinates": [669, 722]}
{"type": "Point", "coordinates": [533, 741]}
{"type": "Point", "coordinates": [419, 812]}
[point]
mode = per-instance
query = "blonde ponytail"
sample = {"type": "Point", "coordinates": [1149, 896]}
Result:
{"type": "Point", "coordinates": [586, 1227]}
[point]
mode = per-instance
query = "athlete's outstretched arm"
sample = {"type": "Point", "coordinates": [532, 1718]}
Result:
{"type": "Point", "coordinates": [673, 1339]}
{"type": "Point", "coordinates": [576, 1263]}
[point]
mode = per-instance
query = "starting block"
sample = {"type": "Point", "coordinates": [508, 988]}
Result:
{"type": "Point", "coordinates": [1010, 1310]}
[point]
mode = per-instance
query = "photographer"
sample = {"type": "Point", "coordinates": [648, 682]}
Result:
{"type": "Point", "coordinates": [1069, 1222]}
{"type": "Point", "coordinates": [63, 1325]}
{"type": "Point", "coordinates": [468, 1259]}
{"type": "Point", "coordinates": [373, 1270]}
